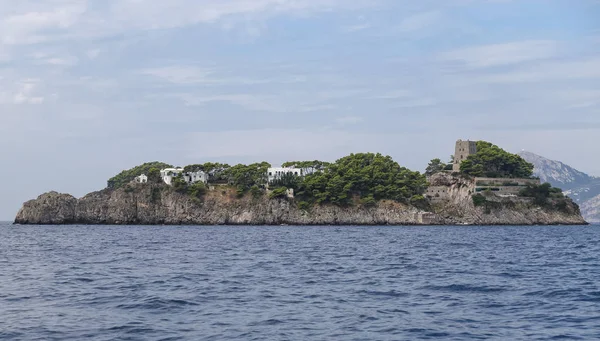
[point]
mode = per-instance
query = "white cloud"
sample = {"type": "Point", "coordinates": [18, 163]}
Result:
{"type": "Point", "coordinates": [59, 61]}
{"type": "Point", "coordinates": [30, 22]}
{"type": "Point", "coordinates": [349, 120]}
{"type": "Point", "coordinates": [179, 74]}
{"type": "Point", "coordinates": [26, 93]}
{"type": "Point", "coordinates": [281, 144]}
{"type": "Point", "coordinates": [503, 54]}
{"type": "Point", "coordinates": [420, 21]}
{"type": "Point", "coordinates": [549, 71]}
{"type": "Point", "coordinates": [395, 94]}
{"type": "Point", "coordinates": [92, 54]}
{"type": "Point", "coordinates": [28, 25]}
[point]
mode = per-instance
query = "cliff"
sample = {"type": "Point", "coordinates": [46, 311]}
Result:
{"type": "Point", "coordinates": [159, 204]}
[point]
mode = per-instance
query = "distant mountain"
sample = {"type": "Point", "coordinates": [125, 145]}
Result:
{"type": "Point", "coordinates": [591, 209]}
{"type": "Point", "coordinates": [556, 172]}
{"type": "Point", "coordinates": [583, 188]}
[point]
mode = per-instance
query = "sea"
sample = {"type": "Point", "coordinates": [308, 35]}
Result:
{"type": "Point", "coordinates": [299, 283]}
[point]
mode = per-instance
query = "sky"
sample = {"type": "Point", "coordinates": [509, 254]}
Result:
{"type": "Point", "coordinates": [91, 87]}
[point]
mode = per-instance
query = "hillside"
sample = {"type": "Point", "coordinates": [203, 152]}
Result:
{"type": "Point", "coordinates": [581, 187]}
{"type": "Point", "coordinates": [156, 204]}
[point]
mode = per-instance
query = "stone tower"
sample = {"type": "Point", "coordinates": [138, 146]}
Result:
{"type": "Point", "coordinates": [462, 151]}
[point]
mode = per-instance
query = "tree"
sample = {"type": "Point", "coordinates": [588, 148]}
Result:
{"type": "Point", "coordinates": [179, 184]}
{"type": "Point", "coordinates": [494, 162]}
{"type": "Point", "coordinates": [154, 175]}
{"type": "Point", "coordinates": [308, 167]}
{"type": "Point", "coordinates": [541, 193]}
{"type": "Point", "coordinates": [280, 192]}
{"type": "Point", "coordinates": [435, 166]}
{"type": "Point", "coordinates": [127, 176]}
{"type": "Point", "coordinates": [245, 176]}
{"type": "Point", "coordinates": [361, 176]}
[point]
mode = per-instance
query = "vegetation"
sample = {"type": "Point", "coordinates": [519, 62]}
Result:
{"type": "Point", "coordinates": [279, 192]}
{"type": "Point", "coordinates": [244, 177]}
{"type": "Point", "coordinates": [367, 177]}
{"type": "Point", "coordinates": [479, 200]}
{"type": "Point", "coordinates": [154, 175]}
{"type": "Point", "coordinates": [308, 167]}
{"type": "Point", "coordinates": [542, 193]}
{"type": "Point", "coordinates": [494, 162]}
{"type": "Point", "coordinates": [435, 166]}
{"type": "Point", "coordinates": [155, 195]}
{"type": "Point", "coordinates": [127, 176]}
{"type": "Point", "coordinates": [286, 180]}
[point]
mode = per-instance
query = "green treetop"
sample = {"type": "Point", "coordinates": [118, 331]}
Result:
{"type": "Point", "coordinates": [494, 162]}
{"type": "Point", "coordinates": [435, 166]}
{"type": "Point", "coordinates": [365, 176]}
{"type": "Point", "coordinates": [127, 176]}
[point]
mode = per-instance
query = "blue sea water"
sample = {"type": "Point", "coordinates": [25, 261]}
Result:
{"type": "Point", "coordinates": [299, 283]}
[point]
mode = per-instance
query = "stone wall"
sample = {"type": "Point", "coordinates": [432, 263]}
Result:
{"type": "Point", "coordinates": [438, 193]}
{"type": "Point", "coordinates": [503, 186]}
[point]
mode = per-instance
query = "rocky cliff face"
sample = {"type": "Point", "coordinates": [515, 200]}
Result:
{"type": "Point", "coordinates": [159, 204]}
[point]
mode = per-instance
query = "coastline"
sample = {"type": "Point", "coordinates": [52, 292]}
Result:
{"type": "Point", "coordinates": [220, 208]}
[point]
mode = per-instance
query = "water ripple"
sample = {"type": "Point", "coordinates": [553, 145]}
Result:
{"type": "Point", "coordinates": [299, 283]}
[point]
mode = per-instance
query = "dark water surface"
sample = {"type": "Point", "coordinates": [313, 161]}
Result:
{"type": "Point", "coordinates": [299, 283]}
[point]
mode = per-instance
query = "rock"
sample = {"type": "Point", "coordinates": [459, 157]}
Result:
{"type": "Point", "coordinates": [151, 204]}
{"type": "Point", "coordinates": [48, 208]}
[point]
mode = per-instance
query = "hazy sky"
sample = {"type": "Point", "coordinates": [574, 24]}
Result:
{"type": "Point", "coordinates": [91, 87]}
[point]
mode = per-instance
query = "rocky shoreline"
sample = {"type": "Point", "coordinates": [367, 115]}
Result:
{"type": "Point", "coordinates": [145, 204]}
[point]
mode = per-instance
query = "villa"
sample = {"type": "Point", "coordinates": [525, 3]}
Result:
{"type": "Point", "coordinates": [277, 173]}
{"type": "Point", "coordinates": [168, 174]}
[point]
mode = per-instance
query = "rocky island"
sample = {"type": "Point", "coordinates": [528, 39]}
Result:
{"type": "Point", "coordinates": [482, 185]}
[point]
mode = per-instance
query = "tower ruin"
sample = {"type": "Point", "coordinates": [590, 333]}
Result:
{"type": "Point", "coordinates": [462, 151]}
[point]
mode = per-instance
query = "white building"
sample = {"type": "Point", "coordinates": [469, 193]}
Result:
{"type": "Point", "coordinates": [168, 174]}
{"type": "Point", "coordinates": [193, 177]}
{"type": "Point", "coordinates": [277, 173]}
{"type": "Point", "coordinates": [142, 179]}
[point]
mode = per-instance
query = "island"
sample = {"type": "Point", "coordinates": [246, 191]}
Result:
{"type": "Point", "coordinates": [482, 184]}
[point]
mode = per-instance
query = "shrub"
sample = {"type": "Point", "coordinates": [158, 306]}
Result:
{"type": "Point", "coordinates": [279, 192]}
{"type": "Point", "coordinates": [479, 200]}
{"type": "Point", "coordinates": [197, 190]}
{"type": "Point", "coordinates": [155, 195]}
{"type": "Point", "coordinates": [303, 205]}
{"type": "Point", "coordinates": [419, 201]}
{"type": "Point", "coordinates": [127, 176]}
{"type": "Point", "coordinates": [256, 191]}
{"type": "Point", "coordinates": [368, 201]}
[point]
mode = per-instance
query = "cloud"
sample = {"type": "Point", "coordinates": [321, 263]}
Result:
{"type": "Point", "coordinates": [503, 54]}
{"type": "Point", "coordinates": [420, 21]}
{"type": "Point", "coordinates": [349, 120]}
{"type": "Point", "coordinates": [548, 71]}
{"type": "Point", "coordinates": [180, 74]}
{"type": "Point", "coordinates": [25, 93]}
{"type": "Point", "coordinates": [395, 94]}
{"type": "Point", "coordinates": [558, 126]}
{"type": "Point", "coordinates": [29, 26]}
{"type": "Point", "coordinates": [278, 145]}
{"type": "Point", "coordinates": [93, 53]}
{"type": "Point", "coordinates": [31, 22]}
{"type": "Point", "coordinates": [56, 60]}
